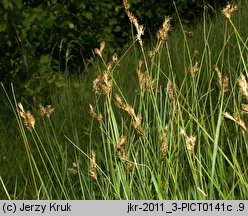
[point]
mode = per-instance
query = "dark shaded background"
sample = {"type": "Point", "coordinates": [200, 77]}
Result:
{"type": "Point", "coordinates": [40, 40]}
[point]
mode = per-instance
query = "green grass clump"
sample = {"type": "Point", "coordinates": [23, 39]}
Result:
{"type": "Point", "coordinates": [167, 122]}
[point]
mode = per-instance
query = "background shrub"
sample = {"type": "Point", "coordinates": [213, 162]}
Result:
{"type": "Point", "coordinates": [42, 39]}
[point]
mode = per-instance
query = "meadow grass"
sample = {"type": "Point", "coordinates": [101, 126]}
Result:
{"type": "Point", "coordinates": [165, 120]}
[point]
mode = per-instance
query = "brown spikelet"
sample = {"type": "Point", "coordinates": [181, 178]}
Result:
{"type": "Point", "coordinates": [96, 84]}
{"type": "Point", "coordinates": [130, 110]}
{"type": "Point", "coordinates": [119, 103]}
{"type": "Point", "coordinates": [137, 126]}
{"type": "Point", "coordinates": [139, 28]}
{"type": "Point", "coordinates": [114, 58]}
{"type": "Point", "coordinates": [129, 165]}
{"type": "Point", "coordinates": [243, 85]}
{"type": "Point", "coordinates": [139, 72]}
{"type": "Point", "coordinates": [46, 111]}
{"type": "Point", "coordinates": [245, 108]}
{"type": "Point", "coordinates": [98, 117]}
{"type": "Point", "coordinates": [149, 83]}
{"type": "Point", "coordinates": [228, 10]}
{"type": "Point", "coordinates": [104, 82]}
{"type": "Point", "coordinates": [154, 51]}
{"type": "Point", "coordinates": [170, 91]}
{"type": "Point", "coordinates": [107, 84]}
{"type": "Point", "coordinates": [189, 33]}
{"type": "Point", "coordinates": [73, 169]}
{"type": "Point", "coordinates": [194, 70]}
{"type": "Point", "coordinates": [162, 34]}
{"type": "Point", "coordinates": [122, 153]}
{"type": "Point", "coordinates": [125, 106]}
{"type": "Point", "coordinates": [236, 119]}
{"type": "Point", "coordinates": [190, 141]}
{"type": "Point", "coordinates": [164, 145]}
{"type": "Point", "coordinates": [145, 81]}
{"type": "Point", "coordinates": [100, 51]}
{"type": "Point", "coordinates": [112, 62]}
{"type": "Point", "coordinates": [126, 4]}
{"type": "Point", "coordinates": [92, 170]}
{"type": "Point", "coordinates": [29, 120]}
{"type": "Point", "coordinates": [223, 83]}
{"type": "Point", "coordinates": [120, 149]}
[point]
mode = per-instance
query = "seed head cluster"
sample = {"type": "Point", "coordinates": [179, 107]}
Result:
{"type": "Point", "coordinates": [137, 123]}
{"type": "Point", "coordinates": [139, 28]}
{"type": "Point", "coordinates": [162, 34]}
{"type": "Point", "coordinates": [145, 81]}
{"type": "Point", "coordinates": [190, 141]}
{"type": "Point", "coordinates": [46, 111]}
{"type": "Point", "coordinates": [236, 119]}
{"type": "Point", "coordinates": [228, 10]}
{"type": "Point", "coordinates": [98, 117]}
{"type": "Point", "coordinates": [243, 85]}
{"type": "Point", "coordinates": [164, 144]}
{"type": "Point", "coordinates": [93, 170]}
{"type": "Point", "coordinates": [223, 82]}
{"type": "Point", "coordinates": [29, 120]}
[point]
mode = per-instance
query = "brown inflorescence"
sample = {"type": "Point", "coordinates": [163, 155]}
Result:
{"type": "Point", "coordinates": [29, 120]}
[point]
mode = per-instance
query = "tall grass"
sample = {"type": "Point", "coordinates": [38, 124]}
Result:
{"type": "Point", "coordinates": [167, 124]}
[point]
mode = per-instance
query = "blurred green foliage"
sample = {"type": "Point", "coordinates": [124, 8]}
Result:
{"type": "Point", "coordinates": [40, 40]}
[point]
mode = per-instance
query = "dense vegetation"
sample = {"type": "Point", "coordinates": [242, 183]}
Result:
{"type": "Point", "coordinates": [164, 119]}
{"type": "Point", "coordinates": [42, 39]}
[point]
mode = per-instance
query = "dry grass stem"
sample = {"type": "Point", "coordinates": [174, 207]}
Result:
{"type": "Point", "coordinates": [228, 10]}
{"type": "Point", "coordinates": [171, 91]}
{"type": "Point", "coordinates": [29, 120]}
{"type": "Point", "coordinates": [46, 111]}
{"type": "Point", "coordinates": [243, 85]}
{"type": "Point", "coordinates": [236, 119]}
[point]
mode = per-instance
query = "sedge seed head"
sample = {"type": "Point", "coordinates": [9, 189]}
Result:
{"type": "Point", "coordinates": [235, 119]}
{"type": "Point", "coordinates": [29, 120]}
{"type": "Point", "coordinates": [245, 108]}
{"type": "Point", "coordinates": [162, 34]}
{"type": "Point", "coordinates": [194, 70]}
{"type": "Point", "coordinates": [46, 111]}
{"type": "Point", "coordinates": [139, 28]}
{"type": "Point", "coordinates": [228, 10]}
{"type": "Point", "coordinates": [243, 85]}
{"type": "Point", "coordinates": [93, 171]}
{"type": "Point", "coordinates": [223, 82]}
